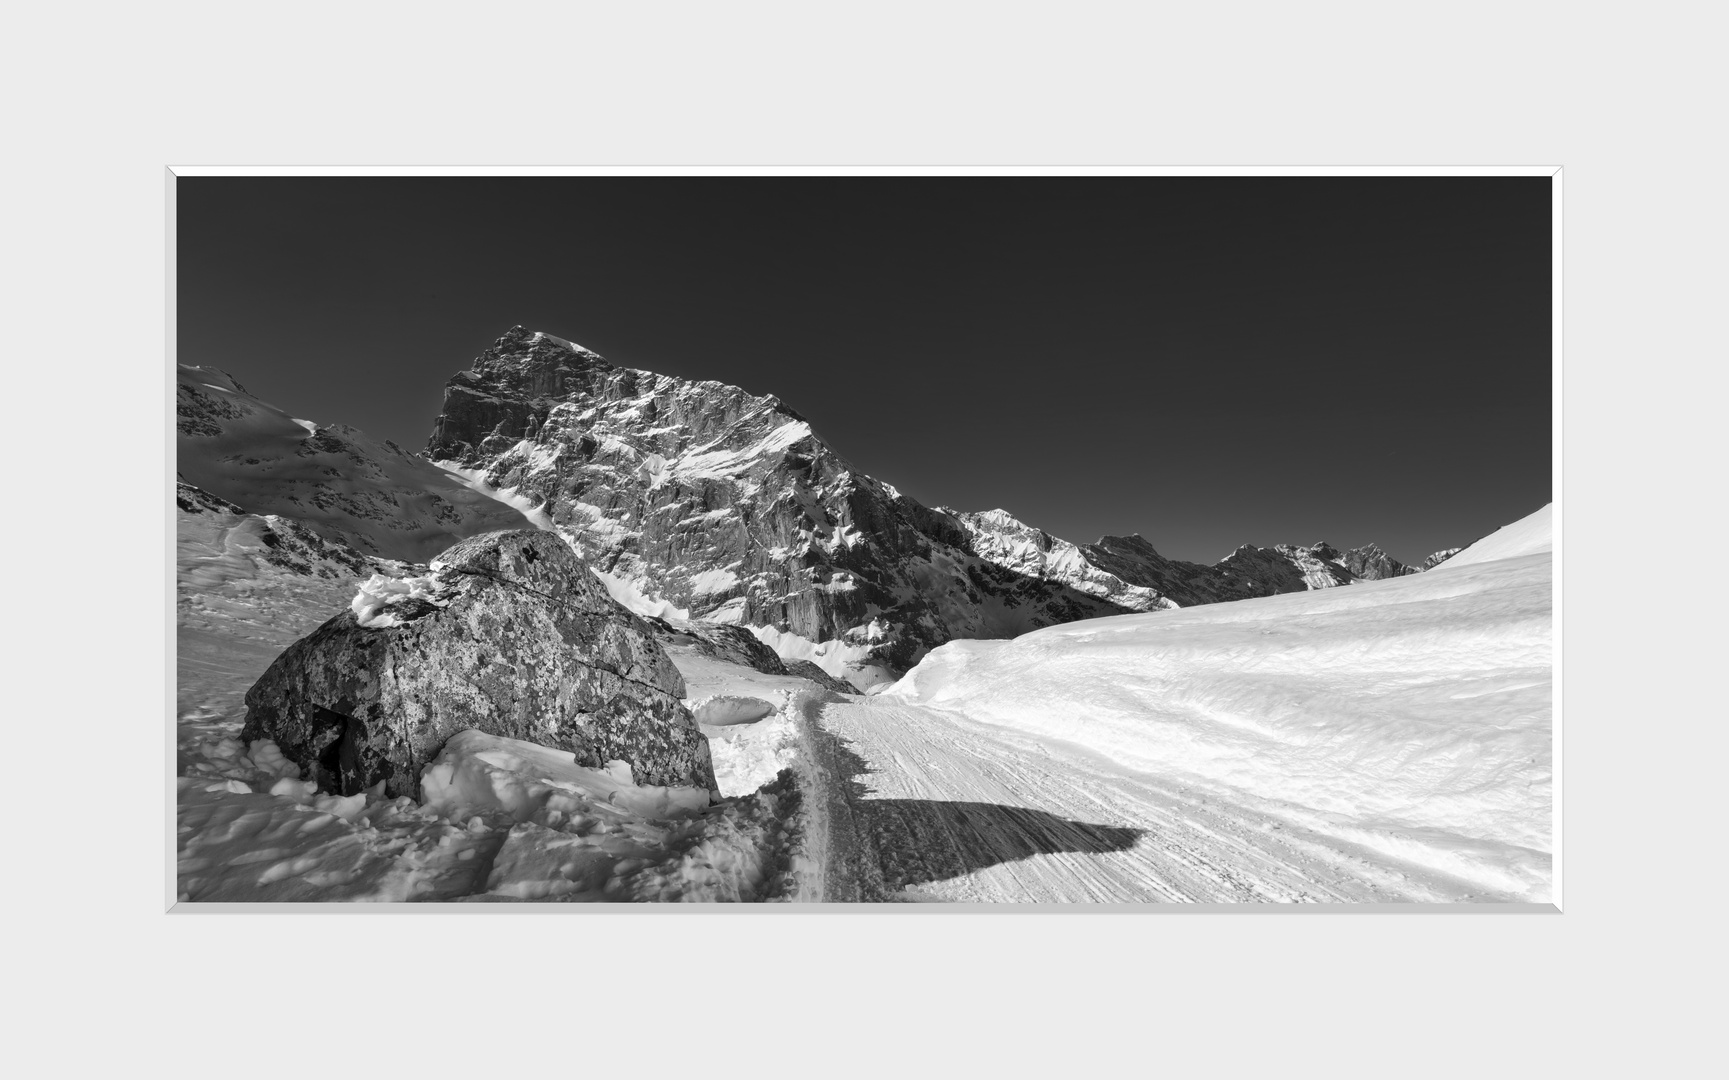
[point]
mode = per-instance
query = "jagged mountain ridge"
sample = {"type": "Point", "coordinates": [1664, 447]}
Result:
{"type": "Point", "coordinates": [729, 507]}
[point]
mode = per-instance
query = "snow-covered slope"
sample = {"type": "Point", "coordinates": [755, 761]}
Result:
{"type": "Point", "coordinates": [1531, 535]}
{"type": "Point", "coordinates": [373, 497]}
{"type": "Point", "coordinates": [1407, 718]}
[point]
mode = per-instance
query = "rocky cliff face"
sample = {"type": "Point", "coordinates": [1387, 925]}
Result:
{"type": "Point", "coordinates": [510, 635]}
{"type": "Point", "coordinates": [728, 508]}
{"type": "Point", "coordinates": [373, 497]}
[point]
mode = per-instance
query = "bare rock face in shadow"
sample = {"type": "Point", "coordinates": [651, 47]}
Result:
{"type": "Point", "coordinates": [511, 635]}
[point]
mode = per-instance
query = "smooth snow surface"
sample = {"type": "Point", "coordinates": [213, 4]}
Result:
{"type": "Point", "coordinates": [1527, 536]}
{"type": "Point", "coordinates": [724, 710]}
{"type": "Point", "coordinates": [1401, 729]}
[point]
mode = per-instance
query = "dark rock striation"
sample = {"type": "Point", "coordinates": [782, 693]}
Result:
{"type": "Point", "coordinates": [509, 634]}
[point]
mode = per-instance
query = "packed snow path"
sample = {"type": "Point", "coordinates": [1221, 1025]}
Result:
{"type": "Point", "coordinates": [927, 805]}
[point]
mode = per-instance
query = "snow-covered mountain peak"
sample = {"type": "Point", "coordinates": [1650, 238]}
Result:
{"type": "Point", "coordinates": [710, 502]}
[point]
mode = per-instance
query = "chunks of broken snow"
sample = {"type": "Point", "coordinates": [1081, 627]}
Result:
{"type": "Point", "coordinates": [380, 593]}
{"type": "Point", "coordinates": [499, 819]}
{"type": "Point", "coordinates": [477, 773]}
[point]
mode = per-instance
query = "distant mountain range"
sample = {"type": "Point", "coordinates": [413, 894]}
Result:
{"type": "Point", "coordinates": [700, 501]}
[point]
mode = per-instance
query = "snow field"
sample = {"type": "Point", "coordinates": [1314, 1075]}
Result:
{"type": "Point", "coordinates": [1411, 717]}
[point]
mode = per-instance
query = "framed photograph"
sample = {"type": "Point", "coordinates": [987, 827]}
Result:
{"type": "Point", "coordinates": [1155, 539]}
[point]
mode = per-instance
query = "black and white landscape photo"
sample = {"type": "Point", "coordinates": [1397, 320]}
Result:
{"type": "Point", "coordinates": [1039, 540]}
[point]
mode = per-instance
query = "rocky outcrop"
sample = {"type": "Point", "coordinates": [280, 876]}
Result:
{"type": "Point", "coordinates": [804, 669]}
{"type": "Point", "coordinates": [1440, 557]}
{"type": "Point", "coordinates": [1370, 563]}
{"type": "Point", "coordinates": [508, 634]}
{"type": "Point", "coordinates": [728, 644]}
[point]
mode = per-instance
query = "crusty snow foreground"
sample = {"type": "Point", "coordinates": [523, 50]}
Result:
{"type": "Point", "coordinates": [1390, 741]}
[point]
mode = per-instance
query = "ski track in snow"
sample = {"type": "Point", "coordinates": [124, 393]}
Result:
{"type": "Point", "coordinates": [960, 811]}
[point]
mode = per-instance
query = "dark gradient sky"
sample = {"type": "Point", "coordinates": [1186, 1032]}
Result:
{"type": "Point", "coordinates": [1203, 361]}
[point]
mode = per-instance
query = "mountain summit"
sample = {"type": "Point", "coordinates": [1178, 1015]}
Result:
{"type": "Point", "coordinates": [725, 506]}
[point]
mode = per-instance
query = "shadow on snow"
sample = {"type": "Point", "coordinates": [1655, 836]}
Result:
{"type": "Point", "coordinates": [879, 847]}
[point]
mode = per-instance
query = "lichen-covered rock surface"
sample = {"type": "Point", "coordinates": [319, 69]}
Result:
{"type": "Point", "coordinates": [510, 635]}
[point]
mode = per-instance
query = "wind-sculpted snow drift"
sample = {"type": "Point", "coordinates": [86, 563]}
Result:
{"type": "Point", "coordinates": [1409, 719]}
{"type": "Point", "coordinates": [703, 501]}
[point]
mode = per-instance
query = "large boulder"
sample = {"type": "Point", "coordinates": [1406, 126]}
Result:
{"type": "Point", "coordinates": [509, 634]}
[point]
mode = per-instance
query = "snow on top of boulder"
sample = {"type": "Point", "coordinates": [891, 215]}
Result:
{"type": "Point", "coordinates": [379, 593]}
{"type": "Point", "coordinates": [1530, 535]}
